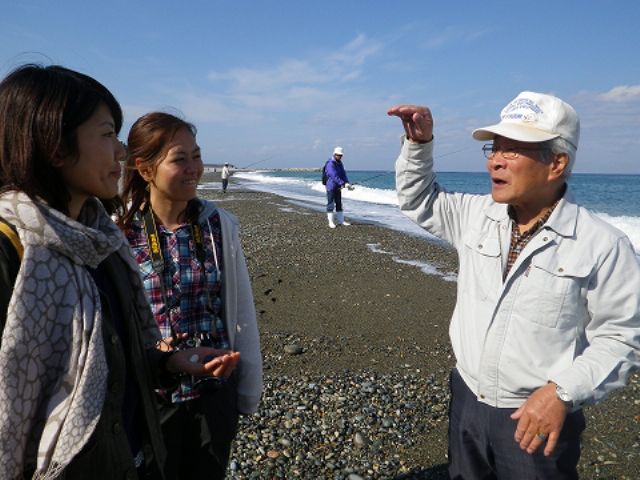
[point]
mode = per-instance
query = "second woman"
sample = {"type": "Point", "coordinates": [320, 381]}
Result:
{"type": "Point", "coordinates": [197, 281]}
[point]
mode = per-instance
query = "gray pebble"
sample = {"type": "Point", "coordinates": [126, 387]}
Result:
{"type": "Point", "coordinates": [293, 349]}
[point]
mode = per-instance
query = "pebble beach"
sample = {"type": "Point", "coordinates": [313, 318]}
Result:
{"type": "Point", "coordinates": [357, 355]}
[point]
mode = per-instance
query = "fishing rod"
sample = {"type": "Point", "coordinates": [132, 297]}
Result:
{"type": "Point", "coordinates": [391, 173]}
{"type": "Point", "coordinates": [371, 178]}
{"type": "Point", "coordinates": [259, 161]}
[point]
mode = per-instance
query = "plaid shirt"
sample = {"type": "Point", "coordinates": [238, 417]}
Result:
{"type": "Point", "coordinates": [193, 293]}
{"type": "Point", "coordinates": [520, 240]}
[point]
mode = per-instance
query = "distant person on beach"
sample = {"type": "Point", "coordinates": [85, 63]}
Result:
{"type": "Point", "coordinates": [196, 277]}
{"type": "Point", "coordinates": [78, 350]}
{"type": "Point", "coordinates": [224, 175]}
{"type": "Point", "coordinates": [336, 178]}
{"type": "Point", "coordinates": [547, 318]}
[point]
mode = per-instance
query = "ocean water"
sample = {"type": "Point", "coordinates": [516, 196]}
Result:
{"type": "Point", "coordinates": [614, 198]}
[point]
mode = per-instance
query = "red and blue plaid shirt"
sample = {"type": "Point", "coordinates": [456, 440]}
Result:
{"type": "Point", "coordinates": [193, 293]}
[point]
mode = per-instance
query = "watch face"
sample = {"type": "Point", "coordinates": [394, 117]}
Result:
{"type": "Point", "coordinates": [563, 394]}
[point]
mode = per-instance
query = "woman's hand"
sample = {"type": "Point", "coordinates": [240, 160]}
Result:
{"type": "Point", "coordinates": [204, 361]}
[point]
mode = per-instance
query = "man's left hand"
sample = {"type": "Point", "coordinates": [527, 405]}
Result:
{"type": "Point", "coordinates": [540, 420]}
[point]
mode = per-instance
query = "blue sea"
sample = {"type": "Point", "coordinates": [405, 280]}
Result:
{"type": "Point", "coordinates": [615, 198]}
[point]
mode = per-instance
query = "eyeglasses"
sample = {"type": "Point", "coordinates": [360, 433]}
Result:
{"type": "Point", "coordinates": [508, 153]}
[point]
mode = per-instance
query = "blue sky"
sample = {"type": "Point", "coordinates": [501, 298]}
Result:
{"type": "Point", "coordinates": [279, 84]}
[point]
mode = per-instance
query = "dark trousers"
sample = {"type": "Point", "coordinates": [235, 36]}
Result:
{"type": "Point", "coordinates": [225, 183]}
{"type": "Point", "coordinates": [482, 445]}
{"type": "Point", "coordinates": [334, 197]}
{"type": "Point", "coordinates": [198, 435]}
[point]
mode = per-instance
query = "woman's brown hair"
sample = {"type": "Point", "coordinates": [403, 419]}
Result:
{"type": "Point", "coordinates": [149, 140]}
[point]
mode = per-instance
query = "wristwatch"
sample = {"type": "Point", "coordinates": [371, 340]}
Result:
{"type": "Point", "coordinates": [564, 397]}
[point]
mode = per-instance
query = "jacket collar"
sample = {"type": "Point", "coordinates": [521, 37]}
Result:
{"type": "Point", "coordinates": [206, 210]}
{"type": "Point", "coordinates": [562, 220]}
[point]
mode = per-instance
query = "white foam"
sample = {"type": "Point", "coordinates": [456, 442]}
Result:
{"type": "Point", "coordinates": [359, 192]}
{"type": "Point", "coordinates": [364, 194]}
{"type": "Point", "coordinates": [629, 225]}
{"type": "Point", "coordinates": [427, 268]}
{"type": "Point", "coordinates": [257, 177]}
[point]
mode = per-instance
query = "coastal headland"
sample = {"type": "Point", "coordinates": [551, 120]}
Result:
{"type": "Point", "coordinates": [357, 355]}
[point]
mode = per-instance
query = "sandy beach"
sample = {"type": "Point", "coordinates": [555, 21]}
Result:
{"type": "Point", "coordinates": [357, 354]}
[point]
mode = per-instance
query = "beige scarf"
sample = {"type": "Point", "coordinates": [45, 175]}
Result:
{"type": "Point", "coordinates": [54, 369]}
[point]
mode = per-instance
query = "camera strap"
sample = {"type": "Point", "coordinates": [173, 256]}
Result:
{"type": "Point", "coordinates": [157, 259]}
{"type": "Point", "coordinates": [153, 240]}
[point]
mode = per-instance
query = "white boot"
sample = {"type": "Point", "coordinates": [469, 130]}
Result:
{"type": "Point", "coordinates": [341, 220]}
{"type": "Point", "coordinates": [331, 217]}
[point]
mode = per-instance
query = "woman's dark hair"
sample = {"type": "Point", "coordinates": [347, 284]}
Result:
{"type": "Point", "coordinates": [40, 111]}
{"type": "Point", "coordinates": [149, 141]}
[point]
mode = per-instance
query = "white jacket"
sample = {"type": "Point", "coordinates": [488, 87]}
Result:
{"type": "Point", "coordinates": [568, 312]}
{"type": "Point", "coordinates": [239, 311]}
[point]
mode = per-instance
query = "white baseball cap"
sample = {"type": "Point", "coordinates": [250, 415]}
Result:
{"type": "Point", "coordinates": [338, 151]}
{"type": "Point", "coordinates": [534, 117]}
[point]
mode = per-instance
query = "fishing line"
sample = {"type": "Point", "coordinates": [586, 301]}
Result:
{"type": "Point", "coordinates": [259, 161]}
{"type": "Point", "coordinates": [392, 173]}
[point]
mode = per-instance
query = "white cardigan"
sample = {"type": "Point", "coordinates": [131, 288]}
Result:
{"type": "Point", "coordinates": [239, 310]}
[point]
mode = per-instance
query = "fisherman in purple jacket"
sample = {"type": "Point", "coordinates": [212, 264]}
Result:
{"type": "Point", "coordinates": [336, 181]}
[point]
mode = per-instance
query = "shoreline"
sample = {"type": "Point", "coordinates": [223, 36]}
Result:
{"type": "Point", "coordinates": [346, 330]}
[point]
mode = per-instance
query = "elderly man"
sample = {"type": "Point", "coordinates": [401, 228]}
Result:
{"type": "Point", "coordinates": [547, 312]}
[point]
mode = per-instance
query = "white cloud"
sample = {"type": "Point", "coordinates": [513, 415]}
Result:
{"type": "Point", "coordinates": [289, 72]}
{"type": "Point", "coordinates": [341, 66]}
{"type": "Point", "coordinates": [316, 100]}
{"type": "Point", "coordinates": [609, 124]}
{"type": "Point", "coordinates": [454, 34]}
{"type": "Point", "coordinates": [618, 109]}
{"type": "Point", "coordinates": [213, 108]}
{"type": "Point", "coordinates": [314, 94]}
{"type": "Point", "coordinates": [622, 93]}
{"type": "Point", "coordinates": [355, 53]}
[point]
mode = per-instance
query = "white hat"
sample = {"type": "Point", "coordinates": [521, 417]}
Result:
{"type": "Point", "coordinates": [338, 151]}
{"type": "Point", "coordinates": [534, 117]}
